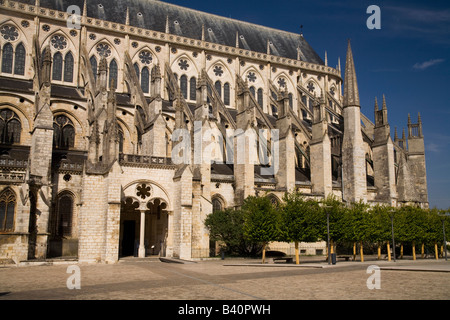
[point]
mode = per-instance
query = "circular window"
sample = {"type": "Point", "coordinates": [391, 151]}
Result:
{"type": "Point", "coordinates": [58, 42]}
{"type": "Point", "coordinates": [143, 191]}
{"type": "Point", "coordinates": [104, 50]}
{"type": "Point", "coordinates": [145, 57]}
{"type": "Point", "coordinates": [9, 33]}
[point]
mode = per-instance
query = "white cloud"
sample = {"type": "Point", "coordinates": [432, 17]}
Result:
{"type": "Point", "coordinates": [427, 64]}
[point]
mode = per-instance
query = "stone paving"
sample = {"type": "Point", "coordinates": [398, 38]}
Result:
{"type": "Point", "coordinates": [150, 279]}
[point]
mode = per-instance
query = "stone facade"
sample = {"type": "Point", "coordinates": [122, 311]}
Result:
{"type": "Point", "coordinates": [100, 119]}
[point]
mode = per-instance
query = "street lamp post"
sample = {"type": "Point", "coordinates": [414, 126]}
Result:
{"type": "Point", "coordinates": [443, 231]}
{"type": "Point", "coordinates": [392, 230]}
{"type": "Point", "coordinates": [327, 210]}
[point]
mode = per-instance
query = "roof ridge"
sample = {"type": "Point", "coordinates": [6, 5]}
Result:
{"type": "Point", "coordinates": [226, 18]}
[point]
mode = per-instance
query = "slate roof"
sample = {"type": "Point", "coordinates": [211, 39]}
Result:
{"type": "Point", "coordinates": [152, 15]}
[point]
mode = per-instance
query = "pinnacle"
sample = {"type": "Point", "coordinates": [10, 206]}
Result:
{"type": "Point", "coordinates": [351, 93]}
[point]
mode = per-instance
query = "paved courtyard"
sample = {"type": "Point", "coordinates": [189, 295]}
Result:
{"type": "Point", "coordinates": [150, 279]}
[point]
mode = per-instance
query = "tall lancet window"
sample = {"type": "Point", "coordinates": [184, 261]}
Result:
{"type": "Point", "coordinates": [193, 89]}
{"type": "Point", "coordinates": [184, 86]}
{"type": "Point", "coordinates": [145, 80]}
{"type": "Point", "coordinates": [138, 72]}
{"type": "Point", "coordinates": [113, 73]}
{"type": "Point", "coordinates": [260, 97]}
{"type": "Point", "coordinates": [68, 67]}
{"type": "Point", "coordinates": [226, 94]}
{"type": "Point", "coordinates": [7, 58]}
{"type": "Point", "coordinates": [218, 87]}
{"type": "Point", "coordinates": [94, 66]}
{"type": "Point", "coordinates": [57, 66]}
{"type": "Point", "coordinates": [19, 60]}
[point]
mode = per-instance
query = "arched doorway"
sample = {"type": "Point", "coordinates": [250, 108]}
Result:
{"type": "Point", "coordinates": [147, 221]}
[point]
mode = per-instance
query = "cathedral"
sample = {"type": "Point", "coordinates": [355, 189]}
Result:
{"type": "Point", "coordinates": [106, 106]}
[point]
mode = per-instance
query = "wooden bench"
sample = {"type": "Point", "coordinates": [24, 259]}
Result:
{"type": "Point", "coordinates": [286, 259]}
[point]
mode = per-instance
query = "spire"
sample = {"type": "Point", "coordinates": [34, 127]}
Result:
{"type": "Point", "coordinates": [395, 135]}
{"type": "Point", "coordinates": [351, 93]}
{"type": "Point", "coordinates": [419, 120]}
{"type": "Point", "coordinates": [409, 118]}
{"type": "Point", "coordinates": [85, 8]}
{"type": "Point", "coordinates": [127, 19]}
{"type": "Point", "coordinates": [376, 104]}
{"type": "Point", "coordinates": [326, 59]}
{"type": "Point", "coordinates": [167, 24]}
{"type": "Point", "coordinates": [384, 103]}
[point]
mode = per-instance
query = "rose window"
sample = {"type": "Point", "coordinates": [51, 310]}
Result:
{"type": "Point", "coordinates": [104, 50]}
{"type": "Point", "coordinates": [251, 77]}
{"type": "Point", "coordinates": [282, 82]}
{"type": "Point", "coordinates": [218, 71]}
{"type": "Point", "coordinates": [183, 65]}
{"type": "Point", "coordinates": [311, 87]}
{"type": "Point", "coordinates": [145, 57]}
{"type": "Point", "coordinates": [143, 191]}
{"type": "Point", "coordinates": [9, 33]}
{"type": "Point", "coordinates": [59, 42]}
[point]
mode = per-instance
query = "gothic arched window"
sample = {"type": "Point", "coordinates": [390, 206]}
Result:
{"type": "Point", "coordinates": [7, 210]}
{"type": "Point", "coordinates": [19, 60]}
{"type": "Point", "coordinates": [217, 205]}
{"type": "Point", "coordinates": [10, 127]}
{"type": "Point", "coordinates": [226, 94]}
{"type": "Point", "coordinates": [193, 89]}
{"type": "Point", "coordinates": [64, 215]}
{"type": "Point", "coordinates": [68, 67]}
{"type": "Point", "coordinates": [184, 86]}
{"type": "Point", "coordinates": [138, 72]}
{"type": "Point", "coordinates": [113, 73]}
{"type": "Point", "coordinates": [260, 97]}
{"type": "Point", "coordinates": [7, 58]}
{"type": "Point", "coordinates": [94, 66]}
{"type": "Point", "coordinates": [145, 80]}
{"type": "Point", "coordinates": [121, 139]}
{"type": "Point", "coordinates": [253, 91]}
{"type": "Point", "coordinates": [57, 66]}
{"type": "Point", "coordinates": [63, 132]}
{"type": "Point", "coordinates": [218, 87]}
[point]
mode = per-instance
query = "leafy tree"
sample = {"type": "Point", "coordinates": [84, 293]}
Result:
{"type": "Point", "coordinates": [337, 222]}
{"type": "Point", "coordinates": [226, 226]}
{"type": "Point", "coordinates": [301, 220]}
{"type": "Point", "coordinates": [261, 221]}
{"type": "Point", "coordinates": [359, 224]}
{"type": "Point", "coordinates": [381, 231]}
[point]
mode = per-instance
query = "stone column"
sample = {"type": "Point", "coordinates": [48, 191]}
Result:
{"type": "Point", "coordinates": [141, 252]}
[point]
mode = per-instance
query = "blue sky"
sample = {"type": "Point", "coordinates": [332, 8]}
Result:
{"type": "Point", "coordinates": [408, 59]}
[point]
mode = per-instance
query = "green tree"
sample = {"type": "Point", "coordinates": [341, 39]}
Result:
{"type": "Point", "coordinates": [359, 225]}
{"type": "Point", "coordinates": [337, 224]}
{"type": "Point", "coordinates": [300, 220]}
{"type": "Point", "coordinates": [261, 221]}
{"type": "Point", "coordinates": [227, 227]}
{"type": "Point", "coordinates": [381, 231]}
